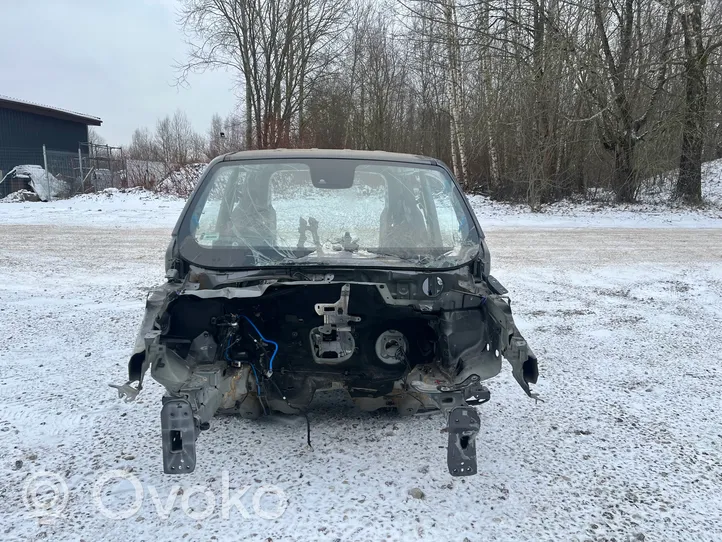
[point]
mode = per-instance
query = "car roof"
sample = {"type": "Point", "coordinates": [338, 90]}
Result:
{"type": "Point", "coordinates": [347, 154]}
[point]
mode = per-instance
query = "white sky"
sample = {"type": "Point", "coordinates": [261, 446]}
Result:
{"type": "Point", "coordinates": [109, 58]}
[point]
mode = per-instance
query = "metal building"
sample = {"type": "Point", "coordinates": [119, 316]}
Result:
{"type": "Point", "coordinates": [26, 127]}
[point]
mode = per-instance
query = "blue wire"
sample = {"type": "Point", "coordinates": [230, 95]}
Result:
{"type": "Point", "coordinates": [225, 353]}
{"type": "Point", "coordinates": [275, 345]}
{"type": "Point", "coordinates": [258, 383]}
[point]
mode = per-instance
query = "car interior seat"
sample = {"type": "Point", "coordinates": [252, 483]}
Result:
{"type": "Point", "coordinates": [402, 222]}
{"type": "Point", "coordinates": [254, 218]}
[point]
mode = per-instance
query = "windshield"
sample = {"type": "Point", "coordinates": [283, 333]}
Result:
{"type": "Point", "coordinates": [327, 212]}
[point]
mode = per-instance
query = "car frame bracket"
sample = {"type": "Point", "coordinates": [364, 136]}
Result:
{"type": "Point", "coordinates": [463, 427]}
{"type": "Point", "coordinates": [178, 434]}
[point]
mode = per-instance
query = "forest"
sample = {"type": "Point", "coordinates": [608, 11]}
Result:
{"type": "Point", "coordinates": [527, 100]}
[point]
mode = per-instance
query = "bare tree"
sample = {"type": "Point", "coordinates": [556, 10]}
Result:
{"type": "Point", "coordinates": [175, 142]}
{"type": "Point", "coordinates": [698, 47]}
{"type": "Point", "coordinates": [533, 100]}
{"type": "Point", "coordinates": [224, 135]}
{"type": "Point", "coordinates": [94, 138]}
{"type": "Point", "coordinates": [626, 67]}
{"type": "Point", "coordinates": [142, 146]}
{"type": "Point", "coordinates": [276, 47]}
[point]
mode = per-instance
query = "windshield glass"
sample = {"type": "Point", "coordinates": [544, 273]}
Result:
{"type": "Point", "coordinates": [327, 212]}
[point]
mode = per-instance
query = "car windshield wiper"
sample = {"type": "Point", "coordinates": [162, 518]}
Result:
{"type": "Point", "coordinates": [326, 257]}
{"type": "Point", "coordinates": [420, 260]}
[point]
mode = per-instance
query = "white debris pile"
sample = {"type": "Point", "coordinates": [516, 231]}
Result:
{"type": "Point", "coordinates": [117, 194]}
{"type": "Point", "coordinates": [43, 183]}
{"type": "Point", "coordinates": [19, 196]}
{"type": "Point", "coordinates": [182, 181]}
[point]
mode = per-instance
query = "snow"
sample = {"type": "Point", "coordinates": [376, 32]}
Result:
{"type": "Point", "coordinates": [131, 208]}
{"type": "Point", "coordinates": [712, 182]}
{"type": "Point", "coordinates": [110, 208]}
{"type": "Point", "coordinates": [622, 308]}
{"type": "Point", "coordinates": [20, 195]}
{"type": "Point", "coordinates": [566, 214]}
{"type": "Point", "coordinates": [652, 211]}
{"type": "Point", "coordinates": [136, 207]}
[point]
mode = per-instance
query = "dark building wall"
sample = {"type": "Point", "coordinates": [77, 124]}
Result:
{"type": "Point", "coordinates": [20, 129]}
{"type": "Point", "coordinates": [23, 134]}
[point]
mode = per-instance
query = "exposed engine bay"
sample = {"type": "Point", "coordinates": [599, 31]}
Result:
{"type": "Point", "coordinates": [270, 347]}
{"type": "Point", "coordinates": [402, 315]}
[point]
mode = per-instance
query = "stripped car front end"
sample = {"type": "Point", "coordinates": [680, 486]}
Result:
{"type": "Point", "coordinates": [295, 272]}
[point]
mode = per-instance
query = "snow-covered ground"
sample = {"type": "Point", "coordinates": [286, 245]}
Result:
{"type": "Point", "coordinates": [566, 214]}
{"type": "Point", "coordinates": [622, 310]}
{"type": "Point", "coordinates": [652, 211]}
{"type": "Point", "coordinates": [111, 208]}
{"type": "Point", "coordinates": [136, 208]}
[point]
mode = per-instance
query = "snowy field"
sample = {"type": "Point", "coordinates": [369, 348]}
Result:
{"type": "Point", "coordinates": [622, 307]}
{"type": "Point", "coordinates": [133, 209]}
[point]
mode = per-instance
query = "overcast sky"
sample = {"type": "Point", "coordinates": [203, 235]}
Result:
{"type": "Point", "coordinates": [109, 58]}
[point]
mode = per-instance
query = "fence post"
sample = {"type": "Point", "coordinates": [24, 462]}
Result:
{"type": "Point", "coordinates": [80, 165]}
{"type": "Point", "coordinates": [47, 179]}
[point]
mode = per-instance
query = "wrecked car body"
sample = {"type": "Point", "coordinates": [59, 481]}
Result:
{"type": "Point", "coordinates": [295, 272]}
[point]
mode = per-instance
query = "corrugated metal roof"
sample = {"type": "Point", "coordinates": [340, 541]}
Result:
{"type": "Point", "coordinates": [32, 107]}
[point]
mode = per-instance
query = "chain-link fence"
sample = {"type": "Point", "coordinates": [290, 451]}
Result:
{"type": "Point", "coordinates": [67, 168]}
{"type": "Point", "coordinates": [89, 169]}
{"type": "Point", "coordinates": [103, 167]}
{"type": "Point", "coordinates": [145, 173]}
{"type": "Point", "coordinates": [11, 157]}
{"type": "Point", "coordinates": [25, 169]}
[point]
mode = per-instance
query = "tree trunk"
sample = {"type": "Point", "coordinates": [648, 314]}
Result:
{"type": "Point", "coordinates": [301, 113]}
{"type": "Point", "coordinates": [249, 118]}
{"type": "Point", "coordinates": [621, 130]}
{"type": "Point", "coordinates": [456, 89]}
{"type": "Point", "coordinates": [454, 160]}
{"type": "Point", "coordinates": [624, 175]}
{"type": "Point", "coordinates": [539, 179]}
{"type": "Point", "coordinates": [689, 182]}
{"type": "Point", "coordinates": [486, 92]}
